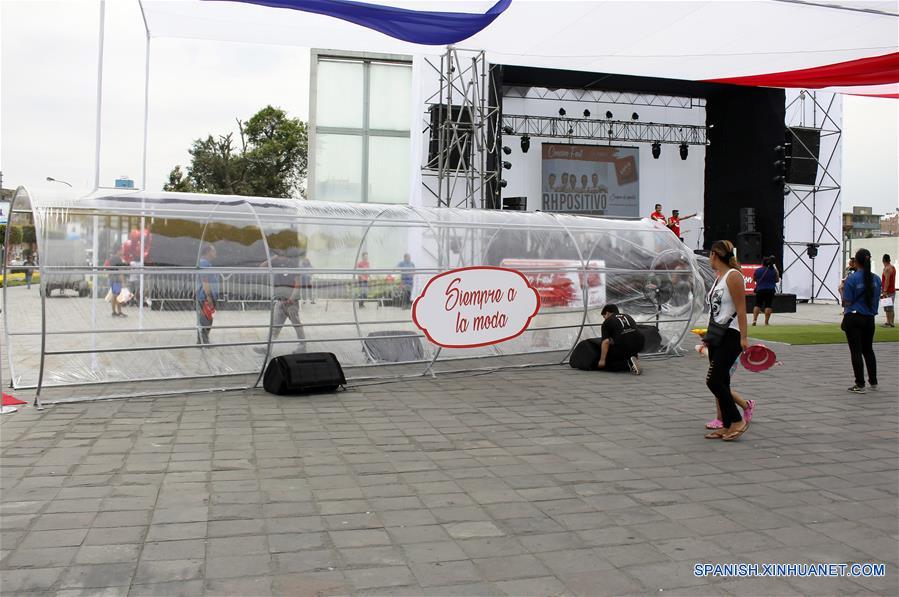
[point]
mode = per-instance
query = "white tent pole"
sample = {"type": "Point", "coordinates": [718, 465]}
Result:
{"type": "Point", "coordinates": [99, 93]}
{"type": "Point", "coordinates": [143, 180]}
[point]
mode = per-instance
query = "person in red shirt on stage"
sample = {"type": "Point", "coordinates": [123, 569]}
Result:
{"type": "Point", "coordinates": [658, 216]}
{"type": "Point", "coordinates": [888, 292]}
{"type": "Point", "coordinates": [675, 220]}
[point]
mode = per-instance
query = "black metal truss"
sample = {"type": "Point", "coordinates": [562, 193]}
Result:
{"type": "Point", "coordinates": [595, 96]}
{"type": "Point", "coordinates": [556, 127]}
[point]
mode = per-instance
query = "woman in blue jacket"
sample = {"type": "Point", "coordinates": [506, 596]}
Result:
{"type": "Point", "coordinates": [861, 296]}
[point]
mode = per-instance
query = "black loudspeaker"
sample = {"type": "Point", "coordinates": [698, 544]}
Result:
{"type": "Point", "coordinates": [303, 374]}
{"type": "Point", "coordinates": [585, 355]}
{"type": "Point", "coordinates": [749, 247]}
{"type": "Point", "coordinates": [400, 347]}
{"type": "Point", "coordinates": [747, 219]}
{"type": "Point", "coordinates": [457, 154]}
{"type": "Point", "coordinates": [515, 203]}
{"type": "Point", "coordinates": [652, 339]}
{"type": "Point", "coordinates": [804, 145]}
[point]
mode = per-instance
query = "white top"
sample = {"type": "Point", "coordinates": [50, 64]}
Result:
{"type": "Point", "coordinates": [721, 303]}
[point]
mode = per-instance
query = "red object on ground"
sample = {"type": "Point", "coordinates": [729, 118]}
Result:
{"type": "Point", "coordinates": [875, 70]}
{"type": "Point", "coordinates": [10, 401]}
{"type": "Point", "coordinates": [758, 357]}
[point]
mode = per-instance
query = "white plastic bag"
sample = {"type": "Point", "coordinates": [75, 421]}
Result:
{"type": "Point", "coordinates": [124, 296]}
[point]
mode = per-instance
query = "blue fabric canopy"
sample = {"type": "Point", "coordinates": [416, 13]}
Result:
{"type": "Point", "coordinates": [414, 26]}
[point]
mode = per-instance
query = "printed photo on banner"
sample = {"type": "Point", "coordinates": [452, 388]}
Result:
{"type": "Point", "coordinates": [590, 179]}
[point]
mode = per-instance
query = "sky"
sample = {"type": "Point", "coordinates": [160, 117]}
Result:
{"type": "Point", "coordinates": [48, 76]}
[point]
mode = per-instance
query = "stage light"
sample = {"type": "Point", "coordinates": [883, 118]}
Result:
{"type": "Point", "coordinates": [507, 150]}
{"type": "Point", "coordinates": [656, 150]}
{"type": "Point", "coordinates": [507, 165]}
{"type": "Point", "coordinates": [611, 132]}
{"type": "Point", "coordinates": [683, 151]}
{"type": "Point", "coordinates": [608, 114]}
{"type": "Point", "coordinates": [561, 111]}
{"type": "Point", "coordinates": [570, 130]}
{"type": "Point", "coordinates": [586, 113]}
{"type": "Point", "coordinates": [502, 183]}
{"type": "Point", "coordinates": [508, 130]}
{"type": "Point", "coordinates": [811, 250]}
{"type": "Point", "coordinates": [525, 144]}
{"type": "Point", "coordinates": [780, 165]}
{"type": "Point", "coordinates": [779, 179]}
{"type": "Point", "coordinates": [635, 116]}
{"type": "Point", "coordinates": [787, 190]}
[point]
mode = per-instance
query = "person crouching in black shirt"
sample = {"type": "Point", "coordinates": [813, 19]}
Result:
{"type": "Point", "coordinates": [621, 342]}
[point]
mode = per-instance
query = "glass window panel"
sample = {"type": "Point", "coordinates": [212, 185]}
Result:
{"type": "Point", "coordinates": [338, 168]}
{"type": "Point", "coordinates": [338, 99]}
{"type": "Point", "coordinates": [388, 170]}
{"type": "Point", "coordinates": [390, 97]}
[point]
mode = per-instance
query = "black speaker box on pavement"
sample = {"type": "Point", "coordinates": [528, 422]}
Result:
{"type": "Point", "coordinates": [749, 247]}
{"type": "Point", "coordinates": [652, 338]}
{"type": "Point", "coordinates": [303, 373]}
{"type": "Point", "coordinates": [401, 347]}
{"type": "Point", "coordinates": [585, 355]}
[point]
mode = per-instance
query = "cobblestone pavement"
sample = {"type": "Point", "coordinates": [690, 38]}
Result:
{"type": "Point", "coordinates": [544, 481]}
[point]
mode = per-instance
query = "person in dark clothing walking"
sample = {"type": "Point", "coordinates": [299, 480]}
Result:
{"type": "Point", "coordinates": [766, 279]}
{"type": "Point", "coordinates": [621, 342]}
{"type": "Point", "coordinates": [861, 297]}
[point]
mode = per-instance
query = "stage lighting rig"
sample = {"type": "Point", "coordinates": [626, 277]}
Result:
{"type": "Point", "coordinates": [502, 183]}
{"type": "Point", "coordinates": [609, 114]}
{"type": "Point", "coordinates": [508, 130]}
{"type": "Point", "coordinates": [656, 150]}
{"type": "Point", "coordinates": [684, 149]}
{"type": "Point", "coordinates": [507, 165]}
{"type": "Point", "coordinates": [525, 143]}
{"type": "Point", "coordinates": [586, 113]}
{"type": "Point", "coordinates": [507, 150]}
{"type": "Point", "coordinates": [562, 112]}
{"type": "Point", "coordinates": [635, 116]}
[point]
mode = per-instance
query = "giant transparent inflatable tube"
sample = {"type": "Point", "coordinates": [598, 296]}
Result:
{"type": "Point", "coordinates": [290, 275]}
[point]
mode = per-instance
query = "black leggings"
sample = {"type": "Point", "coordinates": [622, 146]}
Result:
{"type": "Point", "coordinates": [721, 359]}
{"type": "Point", "coordinates": [860, 335]}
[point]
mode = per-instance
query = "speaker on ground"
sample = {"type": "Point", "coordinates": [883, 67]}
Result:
{"type": "Point", "coordinates": [303, 373]}
{"type": "Point", "coordinates": [749, 247]}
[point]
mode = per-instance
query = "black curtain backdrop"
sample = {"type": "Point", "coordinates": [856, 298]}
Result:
{"type": "Point", "coordinates": [739, 164]}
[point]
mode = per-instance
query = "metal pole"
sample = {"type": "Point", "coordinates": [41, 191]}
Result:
{"type": "Point", "coordinates": [99, 94]}
{"type": "Point", "coordinates": [143, 180]}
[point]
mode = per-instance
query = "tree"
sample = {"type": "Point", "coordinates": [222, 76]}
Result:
{"type": "Point", "coordinates": [271, 160]}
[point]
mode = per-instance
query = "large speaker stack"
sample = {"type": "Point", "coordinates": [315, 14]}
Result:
{"type": "Point", "coordinates": [749, 240]}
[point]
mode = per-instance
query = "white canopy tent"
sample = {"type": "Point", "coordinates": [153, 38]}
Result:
{"type": "Point", "coordinates": [688, 40]}
{"type": "Point", "coordinates": [673, 39]}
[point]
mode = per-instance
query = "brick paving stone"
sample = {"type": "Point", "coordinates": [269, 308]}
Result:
{"type": "Point", "coordinates": [368, 491]}
{"type": "Point", "coordinates": [98, 575]}
{"type": "Point", "coordinates": [444, 573]}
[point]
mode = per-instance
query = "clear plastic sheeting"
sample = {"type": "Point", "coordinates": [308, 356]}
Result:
{"type": "Point", "coordinates": [285, 275]}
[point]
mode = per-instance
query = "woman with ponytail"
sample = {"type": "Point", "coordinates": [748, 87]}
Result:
{"type": "Point", "coordinates": [727, 302]}
{"type": "Point", "coordinates": [861, 297]}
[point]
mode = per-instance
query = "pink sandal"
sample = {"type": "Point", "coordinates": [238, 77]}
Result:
{"type": "Point", "coordinates": [747, 412]}
{"type": "Point", "coordinates": [714, 424]}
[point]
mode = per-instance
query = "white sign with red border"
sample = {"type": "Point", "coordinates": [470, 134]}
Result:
{"type": "Point", "coordinates": [475, 306]}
